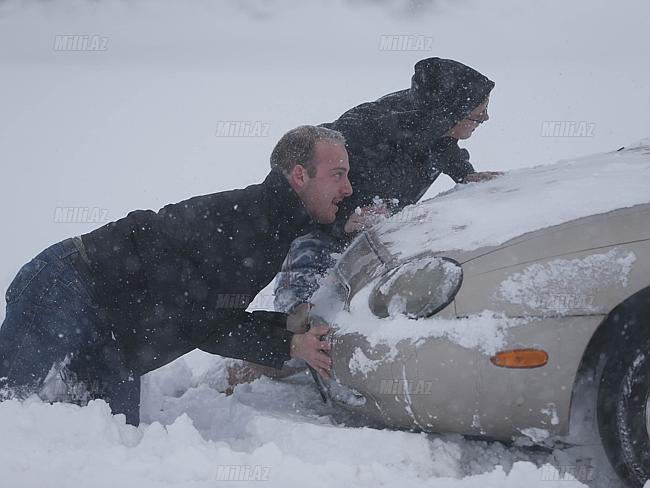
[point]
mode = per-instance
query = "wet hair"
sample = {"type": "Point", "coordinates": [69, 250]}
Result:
{"type": "Point", "coordinates": [298, 146]}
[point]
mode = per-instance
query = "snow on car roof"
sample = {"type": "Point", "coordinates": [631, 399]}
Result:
{"type": "Point", "coordinates": [475, 215]}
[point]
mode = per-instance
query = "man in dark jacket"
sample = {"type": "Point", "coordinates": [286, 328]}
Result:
{"type": "Point", "coordinates": [99, 311]}
{"type": "Point", "coordinates": [398, 146]}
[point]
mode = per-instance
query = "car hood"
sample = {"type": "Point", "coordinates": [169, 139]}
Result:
{"type": "Point", "coordinates": [471, 217]}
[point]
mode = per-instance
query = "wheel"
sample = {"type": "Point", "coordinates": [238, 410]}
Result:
{"type": "Point", "coordinates": [623, 409]}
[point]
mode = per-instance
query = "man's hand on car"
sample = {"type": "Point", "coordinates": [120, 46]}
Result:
{"type": "Point", "coordinates": [310, 347]}
{"type": "Point", "coordinates": [365, 217]}
{"type": "Point", "coordinates": [481, 176]}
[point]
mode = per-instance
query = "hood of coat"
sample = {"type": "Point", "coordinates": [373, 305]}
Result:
{"type": "Point", "coordinates": [442, 93]}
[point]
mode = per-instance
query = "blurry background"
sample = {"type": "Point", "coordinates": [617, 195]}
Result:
{"type": "Point", "coordinates": [130, 119]}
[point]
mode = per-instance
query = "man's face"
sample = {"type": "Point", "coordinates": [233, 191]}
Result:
{"type": "Point", "coordinates": [465, 128]}
{"type": "Point", "coordinates": [322, 193]}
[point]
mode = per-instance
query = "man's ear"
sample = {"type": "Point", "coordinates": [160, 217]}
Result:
{"type": "Point", "coordinates": [298, 176]}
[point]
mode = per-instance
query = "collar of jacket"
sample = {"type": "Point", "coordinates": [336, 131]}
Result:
{"type": "Point", "coordinates": [285, 205]}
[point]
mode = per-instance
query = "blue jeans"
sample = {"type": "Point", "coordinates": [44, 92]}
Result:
{"type": "Point", "coordinates": [54, 331]}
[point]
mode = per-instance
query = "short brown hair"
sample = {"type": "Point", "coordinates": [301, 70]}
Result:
{"type": "Point", "coordinates": [298, 146]}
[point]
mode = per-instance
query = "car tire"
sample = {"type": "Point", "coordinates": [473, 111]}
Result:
{"type": "Point", "coordinates": [623, 411]}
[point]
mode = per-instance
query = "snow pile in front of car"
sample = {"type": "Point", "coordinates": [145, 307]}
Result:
{"type": "Point", "coordinates": [485, 332]}
{"type": "Point", "coordinates": [475, 215]}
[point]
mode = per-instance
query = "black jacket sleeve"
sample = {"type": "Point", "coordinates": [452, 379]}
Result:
{"type": "Point", "coordinates": [259, 337]}
{"type": "Point", "coordinates": [450, 159]}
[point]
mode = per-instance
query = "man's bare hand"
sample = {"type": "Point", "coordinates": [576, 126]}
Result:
{"type": "Point", "coordinates": [365, 217]}
{"type": "Point", "coordinates": [481, 176]}
{"type": "Point", "coordinates": [311, 348]}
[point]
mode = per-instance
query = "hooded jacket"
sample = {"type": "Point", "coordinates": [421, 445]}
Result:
{"type": "Point", "coordinates": [397, 144]}
{"type": "Point", "coordinates": [397, 148]}
{"type": "Point", "coordinates": [181, 278]}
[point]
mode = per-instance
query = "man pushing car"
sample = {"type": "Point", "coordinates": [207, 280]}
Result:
{"type": "Point", "coordinates": [398, 146]}
{"type": "Point", "coordinates": [100, 310]}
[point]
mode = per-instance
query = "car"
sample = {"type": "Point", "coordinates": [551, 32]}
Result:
{"type": "Point", "coordinates": [516, 309]}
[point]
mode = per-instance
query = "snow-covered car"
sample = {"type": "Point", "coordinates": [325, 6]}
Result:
{"type": "Point", "coordinates": [514, 309]}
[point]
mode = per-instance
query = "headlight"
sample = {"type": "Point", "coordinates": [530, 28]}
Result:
{"type": "Point", "coordinates": [418, 287]}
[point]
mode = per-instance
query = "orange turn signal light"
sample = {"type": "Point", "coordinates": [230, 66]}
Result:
{"type": "Point", "coordinates": [520, 358]}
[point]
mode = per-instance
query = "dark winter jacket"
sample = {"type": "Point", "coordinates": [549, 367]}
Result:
{"type": "Point", "coordinates": [181, 278]}
{"type": "Point", "coordinates": [397, 145]}
{"type": "Point", "coordinates": [397, 148]}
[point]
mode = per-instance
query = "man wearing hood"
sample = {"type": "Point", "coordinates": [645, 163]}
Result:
{"type": "Point", "coordinates": [398, 145]}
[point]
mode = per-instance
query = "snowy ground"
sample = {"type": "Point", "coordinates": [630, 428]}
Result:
{"type": "Point", "coordinates": [277, 432]}
{"type": "Point", "coordinates": [133, 126]}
